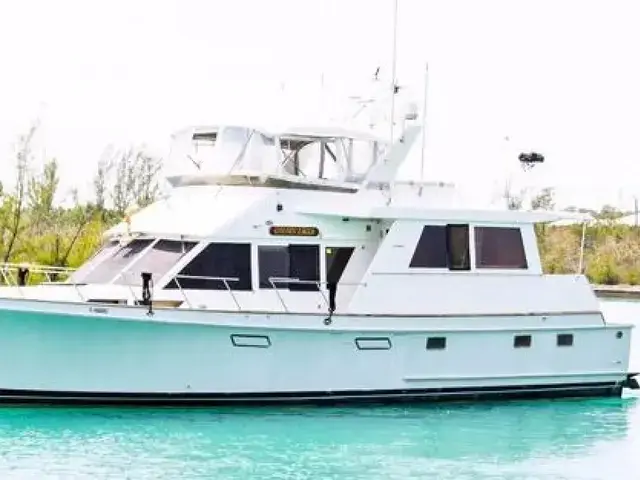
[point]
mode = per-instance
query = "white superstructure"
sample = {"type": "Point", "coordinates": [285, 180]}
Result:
{"type": "Point", "coordinates": [288, 265]}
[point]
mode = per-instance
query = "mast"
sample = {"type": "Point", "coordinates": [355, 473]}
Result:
{"type": "Point", "coordinates": [424, 121]}
{"type": "Point", "coordinates": [393, 69]}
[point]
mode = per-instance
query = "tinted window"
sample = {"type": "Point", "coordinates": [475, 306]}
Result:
{"type": "Point", "coordinates": [436, 343]}
{"type": "Point", "coordinates": [431, 251]}
{"type": "Point", "coordinates": [301, 262]}
{"type": "Point", "coordinates": [336, 259]}
{"type": "Point", "coordinates": [458, 247]}
{"type": "Point", "coordinates": [273, 262]}
{"type": "Point", "coordinates": [498, 247]}
{"type": "Point", "coordinates": [105, 252]}
{"type": "Point", "coordinates": [522, 341]}
{"type": "Point", "coordinates": [157, 261]}
{"type": "Point", "coordinates": [442, 247]}
{"type": "Point", "coordinates": [231, 261]}
{"type": "Point", "coordinates": [304, 265]}
{"type": "Point", "coordinates": [114, 264]}
{"type": "Point", "coordinates": [565, 340]}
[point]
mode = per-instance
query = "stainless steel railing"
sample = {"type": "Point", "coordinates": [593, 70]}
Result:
{"type": "Point", "coordinates": [224, 280]}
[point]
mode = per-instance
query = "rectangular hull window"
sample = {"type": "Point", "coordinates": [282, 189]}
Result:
{"type": "Point", "coordinates": [373, 343]}
{"type": "Point", "coordinates": [229, 261]}
{"type": "Point", "coordinates": [498, 247]}
{"type": "Point", "coordinates": [522, 341]}
{"type": "Point", "coordinates": [255, 341]}
{"type": "Point", "coordinates": [565, 340]}
{"type": "Point", "coordinates": [436, 343]}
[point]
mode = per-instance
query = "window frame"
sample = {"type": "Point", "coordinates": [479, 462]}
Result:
{"type": "Point", "coordinates": [448, 264]}
{"type": "Point", "coordinates": [438, 343]}
{"type": "Point", "coordinates": [478, 248]}
{"type": "Point", "coordinates": [244, 283]}
{"type": "Point", "coordinates": [564, 336]}
{"type": "Point", "coordinates": [517, 343]}
{"type": "Point", "coordinates": [292, 286]}
{"type": "Point", "coordinates": [131, 275]}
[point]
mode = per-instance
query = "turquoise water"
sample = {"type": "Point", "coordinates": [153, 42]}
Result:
{"type": "Point", "coordinates": [571, 439]}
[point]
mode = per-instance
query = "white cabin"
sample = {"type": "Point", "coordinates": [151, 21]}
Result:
{"type": "Point", "coordinates": [267, 220]}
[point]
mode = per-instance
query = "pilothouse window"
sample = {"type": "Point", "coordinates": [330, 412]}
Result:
{"type": "Point", "coordinates": [112, 265]}
{"type": "Point", "coordinates": [105, 252]}
{"type": "Point", "coordinates": [298, 267]}
{"type": "Point", "coordinates": [442, 246]}
{"type": "Point", "coordinates": [216, 264]}
{"type": "Point", "coordinates": [499, 247]}
{"type": "Point", "coordinates": [157, 261]}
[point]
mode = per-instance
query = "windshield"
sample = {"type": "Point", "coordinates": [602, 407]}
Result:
{"type": "Point", "coordinates": [158, 261]}
{"type": "Point", "coordinates": [109, 262]}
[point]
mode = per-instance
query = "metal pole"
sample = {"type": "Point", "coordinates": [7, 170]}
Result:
{"type": "Point", "coordinates": [584, 232]}
{"type": "Point", "coordinates": [393, 67]}
{"type": "Point", "coordinates": [424, 121]}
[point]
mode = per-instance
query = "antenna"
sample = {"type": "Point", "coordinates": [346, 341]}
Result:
{"type": "Point", "coordinates": [424, 121]}
{"type": "Point", "coordinates": [393, 67]}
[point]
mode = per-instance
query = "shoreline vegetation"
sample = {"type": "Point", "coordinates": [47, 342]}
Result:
{"type": "Point", "coordinates": [35, 230]}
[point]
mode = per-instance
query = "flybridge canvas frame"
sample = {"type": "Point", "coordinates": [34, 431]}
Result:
{"type": "Point", "coordinates": [248, 155]}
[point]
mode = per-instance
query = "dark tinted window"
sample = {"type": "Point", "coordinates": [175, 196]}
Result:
{"type": "Point", "coordinates": [436, 343]}
{"type": "Point", "coordinates": [300, 262]}
{"type": "Point", "coordinates": [304, 265]}
{"type": "Point", "coordinates": [458, 247]}
{"type": "Point", "coordinates": [520, 341]}
{"type": "Point", "coordinates": [498, 247]}
{"type": "Point", "coordinates": [442, 247]}
{"type": "Point", "coordinates": [565, 340]}
{"type": "Point", "coordinates": [230, 261]}
{"type": "Point", "coordinates": [431, 251]}
{"type": "Point", "coordinates": [106, 270]}
{"type": "Point", "coordinates": [273, 262]}
{"type": "Point", "coordinates": [336, 259]}
{"type": "Point", "coordinates": [157, 261]}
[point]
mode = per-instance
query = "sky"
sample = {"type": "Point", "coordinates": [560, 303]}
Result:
{"type": "Point", "coordinates": [559, 77]}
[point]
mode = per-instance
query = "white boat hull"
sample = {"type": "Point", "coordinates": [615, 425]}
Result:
{"type": "Point", "coordinates": [54, 352]}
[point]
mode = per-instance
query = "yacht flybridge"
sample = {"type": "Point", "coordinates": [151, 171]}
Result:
{"type": "Point", "coordinates": [289, 266]}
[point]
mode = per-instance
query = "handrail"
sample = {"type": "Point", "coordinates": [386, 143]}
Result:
{"type": "Point", "coordinates": [224, 280]}
{"type": "Point", "coordinates": [274, 280]}
{"type": "Point", "coordinates": [47, 270]}
{"type": "Point", "coordinates": [37, 266]}
{"type": "Point", "coordinates": [319, 284]}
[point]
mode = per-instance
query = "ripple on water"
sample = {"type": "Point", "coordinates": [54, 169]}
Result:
{"type": "Point", "coordinates": [555, 439]}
